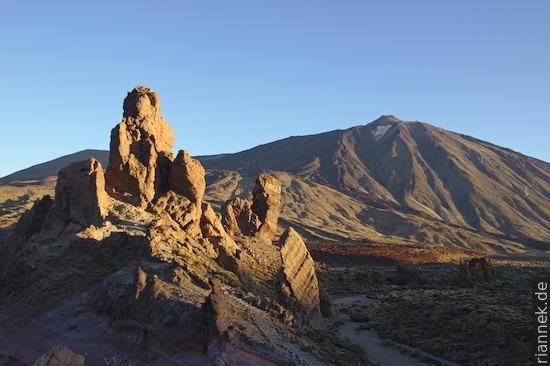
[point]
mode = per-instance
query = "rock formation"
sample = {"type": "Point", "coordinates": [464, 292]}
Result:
{"type": "Point", "coordinates": [31, 222]}
{"type": "Point", "coordinates": [80, 195]}
{"type": "Point", "coordinates": [140, 150]}
{"type": "Point", "coordinates": [60, 356]}
{"type": "Point", "coordinates": [212, 229]}
{"type": "Point", "coordinates": [187, 177]}
{"type": "Point", "coordinates": [476, 270]}
{"type": "Point", "coordinates": [259, 217]}
{"type": "Point", "coordinates": [216, 317]}
{"type": "Point", "coordinates": [297, 281]}
{"type": "Point", "coordinates": [148, 268]}
{"type": "Point", "coordinates": [266, 204]}
{"type": "Point", "coordinates": [238, 218]}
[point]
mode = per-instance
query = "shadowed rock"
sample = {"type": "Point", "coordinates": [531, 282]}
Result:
{"type": "Point", "coordinates": [297, 281]}
{"type": "Point", "coordinates": [216, 318]}
{"type": "Point", "coordinates": [407, 275]}
{"type": "Point", "coordinates": [266, 204]}
{"type": "Point", "coordinates": [32, 221]}
{"type": "Point", "coordinates": [140, 150]}
{"type": "Point", "coordinates": [80, 195]}
{"type": "Point", "coordinates": [476, 270]}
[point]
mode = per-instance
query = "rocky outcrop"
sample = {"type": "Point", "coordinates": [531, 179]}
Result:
{"type": "Point", "coordinates": [297, 282]}
{"type": "Point", "coordinates": [80, 195]}
{"type": "Point", "coordinates": [216, 317]}
{"type": "Point", "coordinates": [476, 270]}
{"type": "Point", "coordinates": [266, 204]}
{"type": "Point", "coordinates": [238, 218]}
{"type": "Point", "coordinates": [32, 221]}
{"type": "Point", "coordinates": [140, 151]}
{"type": "Point", "coordinates": [187, 177]}
{"type": "Point", "coordinates": [60, 356]}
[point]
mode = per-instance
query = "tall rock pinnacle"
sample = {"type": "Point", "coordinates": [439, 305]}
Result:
{"type": "Point", "coordinates": [140, 150]}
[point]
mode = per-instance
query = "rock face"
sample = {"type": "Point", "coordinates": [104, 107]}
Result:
{"type": "Point", "coordinates": [476, 270]}
{"type": "Point", "coordinates": [238, 218]}
{"type": "Point", "coordinates": [140, 151]}
{"type": "Point", "coordinates": [266, 204]}
{"type": "Point", "coordinates": [80, 195]}
{"type": "Point", "coordinates": [60, 356]}
{"type": "Point", "coordinates": [297, 282]}
{"type": "Point", "coordinates": [31, 222]}
{"type": "Point", "coordinates": [187, 177]}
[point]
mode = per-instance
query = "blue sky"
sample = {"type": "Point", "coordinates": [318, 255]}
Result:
{"type": "Point", "coordinates": [235, 74]}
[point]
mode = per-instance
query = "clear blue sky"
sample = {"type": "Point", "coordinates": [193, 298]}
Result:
{"type": "Point", "coordinates": [235, 74]}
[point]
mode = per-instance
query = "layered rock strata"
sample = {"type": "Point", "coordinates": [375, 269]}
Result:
{"type": "Point", "coordinates": [297, 282]}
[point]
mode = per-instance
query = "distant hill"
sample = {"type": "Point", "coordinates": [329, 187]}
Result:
{"type": "Point", "coordinates": [51, 168]}
{"type": "Point", "coordinates": [390, 181]}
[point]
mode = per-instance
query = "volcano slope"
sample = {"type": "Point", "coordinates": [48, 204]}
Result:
{"type": "Point", "coordinates": [400, 182]}
{"type": "Point", "coordinates": [133, 266]}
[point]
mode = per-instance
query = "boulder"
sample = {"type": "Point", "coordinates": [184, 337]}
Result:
{"type": "Point", "coordinates": [32, 221]}
{"type": "Point", "coordinates": [80, 195]}
{"type": "Point", "coordinates": [187, 177]}
{"type": "Point", "coordinates": [238, 218]}
{"type": "Point", "coordinates": [140, 155]}
{"type": "Point", "coordinates": [296, 281]}
{"type": "Point", "coordinates": [60, 356]}
{"type": "Point", "coordinates": [475, 270]}
{"type": "Point", "coordinates": [266, 204]}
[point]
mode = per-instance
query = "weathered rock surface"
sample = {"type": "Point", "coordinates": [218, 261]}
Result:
{"type": "Point", "coordinates": [266, 204]}
{"type": "Point", "coordinates": [185, 213]}
{"type": "Point", "coordinates": [297, 281]}
{"type": "Point", "coordinates": [80, 195]}
{"type": "Point", "coordinates": [476, 270]}
{"type": "Point", "coordinates": [187, 177]}
{"type": "Point", "coordinates": [238, 218]}
{"type": "Point", "coordinates": [140, 150]}
{"type": "Point", "coordinates": [60, 356]}
{"type": "Point", "coordinates": [32, 221]}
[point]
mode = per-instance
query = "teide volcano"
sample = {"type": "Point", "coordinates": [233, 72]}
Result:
{"type": "Point", "coordinates": [401, 179]}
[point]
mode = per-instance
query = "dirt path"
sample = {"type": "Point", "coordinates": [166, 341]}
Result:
{"type": "Point", "coordinates": [369, 340]}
